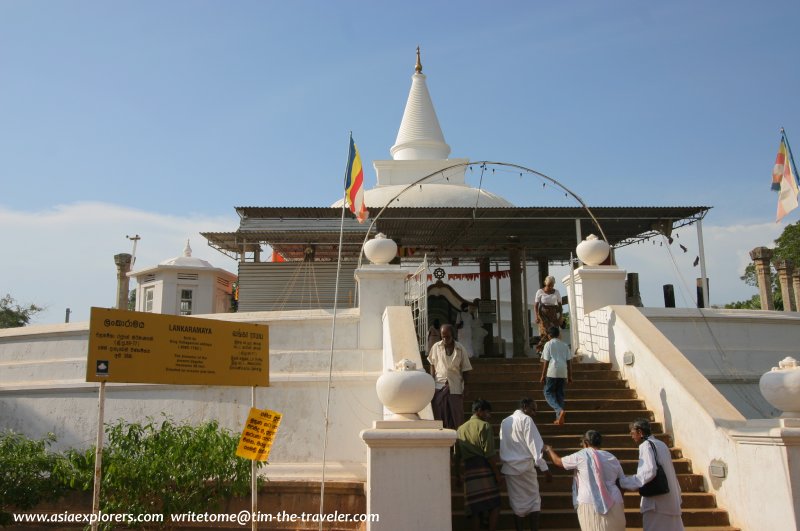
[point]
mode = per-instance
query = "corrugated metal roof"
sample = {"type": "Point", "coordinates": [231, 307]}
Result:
{"type": "Point", "coordinates": [460, 232]}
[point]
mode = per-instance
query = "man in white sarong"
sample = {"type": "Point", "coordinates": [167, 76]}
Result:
{"type": "Point", "coordinates": [521, 452]}
{"type": "Point", "coordinates": [663, 512]}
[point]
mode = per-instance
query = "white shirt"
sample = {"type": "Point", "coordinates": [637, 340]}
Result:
{"type": "Point", "coordinates": [449, 369]}
{"type": "Point", "coordinates": [611, 470]}
{"type": "Point", "coordinates": [558, 354]}
{"type": "Point", "coordinates": [548, 299]}
{"type": "Point", "coordinates": [669, 503]}
{"type": "Point", "coordinates": [520, 445]}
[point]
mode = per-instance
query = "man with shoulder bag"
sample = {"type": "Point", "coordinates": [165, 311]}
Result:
{"type": "Point", "coordinates": [655, 480]}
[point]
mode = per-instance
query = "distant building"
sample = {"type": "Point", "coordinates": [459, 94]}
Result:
{"type": "Point", "coordinates": [183, 285]}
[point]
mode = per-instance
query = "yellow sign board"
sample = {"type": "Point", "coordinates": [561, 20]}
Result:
{"type": "Point", "coordinates": [139, 347]}
{"type": "Point", "coordinates": [259, 434]}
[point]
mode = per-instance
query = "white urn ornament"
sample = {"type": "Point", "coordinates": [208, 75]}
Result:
{"type": "Point", "coordinates": [781, 387]}
{"type": "Point", "coordinates": [406, 390]}
{"type": "Point", "coordinates": [380, 249]}
{"type": "Point", "coordinates": [592, 251]}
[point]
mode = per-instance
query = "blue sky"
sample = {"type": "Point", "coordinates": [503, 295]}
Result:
{"type": "Point", "coordinates": [159, 117]}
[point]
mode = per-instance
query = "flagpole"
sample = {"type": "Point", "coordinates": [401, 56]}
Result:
{"type": "Point", "coordinates": [333, 335]}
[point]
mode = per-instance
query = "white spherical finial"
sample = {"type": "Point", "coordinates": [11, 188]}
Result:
{"type": "Point", "coordinates": [380, 249]}
{"type": "Point", "coordinates": [592, 251]}
{"type": "Point", "coordinates": [781, 387]}
{"type": "Point", "coordinates": [406, 390]}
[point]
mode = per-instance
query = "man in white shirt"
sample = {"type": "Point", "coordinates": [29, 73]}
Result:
{"type": "Point", "coordinates": [449, 364]}
{"type": "Point", "coordinates": [521, 451]}
{"type": "Point", "coordinates": [662, 512]}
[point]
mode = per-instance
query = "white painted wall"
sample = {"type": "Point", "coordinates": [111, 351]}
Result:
{"type": "Point", "coordinates": [43, 389]}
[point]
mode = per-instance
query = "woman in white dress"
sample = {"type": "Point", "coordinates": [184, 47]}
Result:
{"type": "Point", "coordinates": [594, 490]}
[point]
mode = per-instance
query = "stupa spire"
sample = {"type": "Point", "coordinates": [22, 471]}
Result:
{"type": "Point", "coordinates": [420, 136]}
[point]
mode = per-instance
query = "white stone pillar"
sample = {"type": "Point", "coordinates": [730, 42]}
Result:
{"type": "Point", "coordinates": [408, 475]}
{"type": "Point", "coordinates": [379, 286]}
{"type": "Point", "coordinates": [408, 459]}
{"type": "Point", "coordinates": [594, 288]}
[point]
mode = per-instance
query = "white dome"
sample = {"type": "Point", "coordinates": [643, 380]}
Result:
{"type": "Point", "coordinates": [186, 260]}
{"type": "Point", "coordinates": [432, 195]}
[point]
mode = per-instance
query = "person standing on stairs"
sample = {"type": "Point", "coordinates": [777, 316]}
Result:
{"type": "Point", "coordinates": [464, 326]}
{"type": "Point", "coordinates": [521, 453]}
{"type": "Point", "coordinates": [556, 372]}
{"type": "Point", "coordinates": [594, 493]}
{"type": "Point", "coordinates": [547, 310]}
{"type": "Point", "coordinates": [475, 451]}
{"type": "Point", "coordinates": [662, 512]}
{"type": "Point", "coordinates": [449, 364]}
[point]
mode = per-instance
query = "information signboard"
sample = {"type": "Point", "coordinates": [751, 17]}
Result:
{"type": "Point", "coordinates": [139, 347]}
{"type": "Point", "coordinates": [258, 434]}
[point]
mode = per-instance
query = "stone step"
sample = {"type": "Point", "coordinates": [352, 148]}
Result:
{"type": "Point", "coordinates": [565, 443]}
{"type": "Point", "coordinates": [568, 518]}
{"type": "Point", "coordinates": [563, 500]}
{"type": "Point", "coordinates": [530, 386]}
{"type": "Point", "coordinates": [495, 396]}
{"type": "Point", "coordinates": [480, 376]}
{"type": "Point", "coordinates": [501, 410]}
{"type": "Point", "coordinates": [547, 428]}
{"type": "Point", "coordinates": [562, 483]}
{"type": "Point", "coordinates": [515, 364]}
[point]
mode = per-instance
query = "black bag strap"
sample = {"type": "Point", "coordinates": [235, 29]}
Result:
{"type": "Point", "coordinates": [653, 449]}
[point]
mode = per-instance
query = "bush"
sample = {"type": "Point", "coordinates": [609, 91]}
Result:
{"type": "Point", "coordinates": [27, 473]}
{"type": "Point", "coordinates": [167, 468]}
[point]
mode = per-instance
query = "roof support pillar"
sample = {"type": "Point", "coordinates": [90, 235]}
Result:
{"type": "Point", "coordinates": [486, 294]}
{"type": "Point", "coordinates": [525, 316]}
{"type": "Point", "coordinates": [517, 319]}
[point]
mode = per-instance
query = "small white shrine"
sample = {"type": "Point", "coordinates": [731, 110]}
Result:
{"type": "Point", "coordinates": [183, 285]}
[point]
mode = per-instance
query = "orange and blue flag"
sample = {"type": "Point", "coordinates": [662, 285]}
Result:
{"type": "Point", "coordinates": [785, 179]}
{"type": "Point", "coordinates": [354, 184]}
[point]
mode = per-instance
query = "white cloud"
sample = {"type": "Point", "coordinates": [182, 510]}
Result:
{"type": "Point", "coordinates": [64, 257]}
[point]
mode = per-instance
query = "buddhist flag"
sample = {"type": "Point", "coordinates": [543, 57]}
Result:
{"type": "Point", "coordinates": [785, 179]}
{"type": "Point", "coordinates": [354, 184]}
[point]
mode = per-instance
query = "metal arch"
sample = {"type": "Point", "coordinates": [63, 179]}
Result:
{"type": "Point", "coordinates": [482, 164]}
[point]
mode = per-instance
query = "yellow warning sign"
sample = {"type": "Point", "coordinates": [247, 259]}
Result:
{"type": "Point", "coordinates": [258, 434]}
{"type": "Point", "coordinates": [140, 347]}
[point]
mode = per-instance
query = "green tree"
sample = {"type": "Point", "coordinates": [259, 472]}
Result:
{"type": "Point", "coordinates": [12, 315]}
{"type": "Point", "coordinates": [787, 247]}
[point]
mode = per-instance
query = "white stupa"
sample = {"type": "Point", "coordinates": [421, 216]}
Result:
{"type": "Point", "coordinates": [420, 150]}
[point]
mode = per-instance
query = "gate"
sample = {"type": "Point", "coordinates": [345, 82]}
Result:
{"type": "Point", "coordinates": [416, 297]}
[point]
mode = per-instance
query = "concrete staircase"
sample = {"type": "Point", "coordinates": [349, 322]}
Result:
{"type": "Point", "coordinates": [597, 399]}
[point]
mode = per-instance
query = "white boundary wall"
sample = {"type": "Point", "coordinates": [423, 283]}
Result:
{"type": "Point", "coordinates": [43, 389]}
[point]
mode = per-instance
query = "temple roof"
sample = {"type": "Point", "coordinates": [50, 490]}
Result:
{"type": "Point", "coordinates": [445, 232]}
